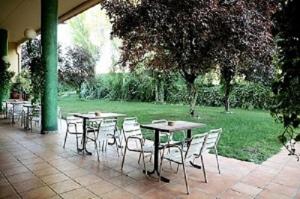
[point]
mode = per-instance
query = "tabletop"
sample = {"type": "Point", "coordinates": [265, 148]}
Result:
{"type": "Point", "coordinates": [17, 102]}
{"type": "Point", "coordinates": [102, 115]}
{"type": "Point", "coordinates": [176, 126]}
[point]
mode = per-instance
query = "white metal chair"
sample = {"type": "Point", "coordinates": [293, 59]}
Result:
{"type": "Point", "coordinates": [16, 112]}
{"type": "Point", "coordinates": [168, 136]}
{"type": "Point", "coordinates": [212, 143]}
{"type": "Point", "coordinates": [35, 117]}
{"type": "Point", "coordinates": [134, 140]}
{"type": "Point", "coordinates": [179, 155]}
{"type": "Point", "coordinates": [106, 132]}
{"type": "Point", "coordinates": [92, 127]}
{"type": "Point", "coordinates": [72, 127]}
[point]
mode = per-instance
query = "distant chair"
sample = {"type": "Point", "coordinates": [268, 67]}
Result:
{"type": "Point", "coordinates": [35, 117]}
{"type": "Point", "coordinates": [16, 112]}
{"type": "Point", "coordinates": [72, 127]}
{"type": "Point", "coordinates": [179, 155]}
{"type": "Point", "coordinates": [212, 143]}
{"type": "Point", "coordinates": [134, 140]}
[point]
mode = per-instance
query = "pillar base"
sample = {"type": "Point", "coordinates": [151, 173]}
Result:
{"type": "Point", "coordinates": [48, 132]}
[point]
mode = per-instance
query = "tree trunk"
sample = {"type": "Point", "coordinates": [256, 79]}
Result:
{"type": "Point", "coordinates": [159, 90]}
{"type": "Point", "coordinates": [156, 91]}
{"type": "Point", "coordinates": [162, 92]}
{"type": "Point", "coordinates": [226, 100]}
{"type": "Point", "coordinates": [193, 95]}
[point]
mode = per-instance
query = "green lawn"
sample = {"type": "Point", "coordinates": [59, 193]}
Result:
{"type": "Point", "coordinates": [247, 135]}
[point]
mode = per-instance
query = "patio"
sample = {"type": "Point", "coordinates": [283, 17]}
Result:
{"type": "Point", "coordinates": [36, 166]}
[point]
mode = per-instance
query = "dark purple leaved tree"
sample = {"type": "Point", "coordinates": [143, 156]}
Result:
{"type": "Point", "coordinates": [189, 36]}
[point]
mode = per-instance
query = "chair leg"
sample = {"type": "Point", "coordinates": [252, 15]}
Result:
{"type": "Point", "coordinates": [177, 168]}
{"type": "Point", "coordinates": [116, 139]}
{"type": "Point", "coordinates": [123, 160]}
{"type": "Point", "coordinates": [160, 167]}
{"type": "Point", "coordinates": [31, 126]}
{"type": "Point", "coordinates": [139, 158]}
{"type": "Point", "coordinates": [96, 147]}
{"type": "Point", "coordinates": [65, 135]}
{"type": "Point", "coordinates": [117, 147]}
{"type": "Point", "coordinates": [185, 177]}
{"type": "Point", "coordinates": [217, 158]}
{"type": "Point", "coordinates": [203, 168]}
{"type": "Point", "coordinates": [103, 144]}
{"type": "Point", "coordinates": [145, 167]}
{"type": "Point", "coordinates": [76, 141]}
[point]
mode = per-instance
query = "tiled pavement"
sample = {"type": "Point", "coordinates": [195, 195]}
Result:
{"type": "Point", "coordinates": [36, 166]}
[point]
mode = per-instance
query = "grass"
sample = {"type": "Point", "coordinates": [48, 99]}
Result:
{"type": "Point", "coordinates": [247, 135]}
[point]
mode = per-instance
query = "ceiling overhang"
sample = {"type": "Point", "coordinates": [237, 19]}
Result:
{"type": "Point", "coordinates": [18, 15]}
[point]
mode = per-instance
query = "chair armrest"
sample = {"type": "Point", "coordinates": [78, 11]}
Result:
{"type": "Point", "coordinates": [136, 138]}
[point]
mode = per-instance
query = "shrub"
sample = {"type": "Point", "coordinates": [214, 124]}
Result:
{"type": "Point", "coordinates": [141, 87]}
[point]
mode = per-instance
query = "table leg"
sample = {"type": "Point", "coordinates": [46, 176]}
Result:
{"type": "Point", "coordinates": [6, 113]}
{"type": "Point", "coordinates": [13, 114]}
{"type": "Point", "coordinates": [26, 119]}
{"type": "Point", "coordinates": [156, 158]}
{"type": "Point", "coordinates": [189, 133]}
{"type": "Point", "coordinates": [84, 139]}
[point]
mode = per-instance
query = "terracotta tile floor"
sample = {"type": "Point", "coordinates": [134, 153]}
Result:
{"type": "Point", "coordinates": [36, 166]}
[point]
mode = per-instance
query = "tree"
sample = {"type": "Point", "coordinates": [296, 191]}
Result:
{"type": "Point", "coordinates": [81, 34]}
{"type": "Point", "coordinates": [245, 40]}
{"type": "Point", "coordinates": [5, 79]}
{"type": "Point", "coordinates": [32, 60]}
{"type": "Point", "coordinates": [78, 67]}
{"type": "Point", "coordinates": [186, 36]}
{"type": "Point", "coordinates": [287, 86]}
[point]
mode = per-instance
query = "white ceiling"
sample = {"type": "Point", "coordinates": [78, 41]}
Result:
{"type": "Point", "coordinates": [17, 15]}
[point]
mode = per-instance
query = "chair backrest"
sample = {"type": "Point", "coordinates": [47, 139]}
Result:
{"type": "Point", "coordinates": [131, 128]}
{"type": "Point", "coordinates": [213, 138]}
{"type": "Point", "coordinates": [129, 120]}
{"type": "Point", "coordinates": [196, 145]}
{"type": "Point", "coordinates": [107, 127]}
{"type": "Point", "coordinates": [18, 108]}
{"type": "Point", "coordinates": [36, 112]}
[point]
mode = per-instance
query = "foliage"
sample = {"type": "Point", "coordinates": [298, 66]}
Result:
{"type": "Point", "coordinates": [247, 135]}
{"type": "Point", "coordinates": [287, 86]}
{"type": "Point", "coordinates": [5, 80]}
{"type": "Point", "coordinates": [245, 41]}
{"type": "Point", "coordinates": [23, 82]}
{"type": "Point", "coordinates": [116, 86]}
{"type": "Point", "coordinates": [189, 36]}
{"type": "Point", "coordinates": [260, 72]}
{"type": "Point", "coordinates": [78, 67]}
{"type": "Point", "coordinates": [32, 60]}
{"type": "Point", "coordinates": [139, 86]}
{"type": "Point", "coordinates": [81, 35]}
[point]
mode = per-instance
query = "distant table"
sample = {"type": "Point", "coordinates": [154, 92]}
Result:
{"type": "Point", "coordinates": [89, 116]}
{"type": "Point", "coordinates": [13, 103]}
{"type": "Point", "coordinates": [6, 106]}
{"type": "Point", "coordinates": [165, 128]}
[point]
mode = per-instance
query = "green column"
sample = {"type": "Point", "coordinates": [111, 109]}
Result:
{"type": "Point", "coordinates": [3, 43]}
{"type": "Point", "coordinates": [3, 52]}
{"type": "Point", "coordinates": [49, 60]}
